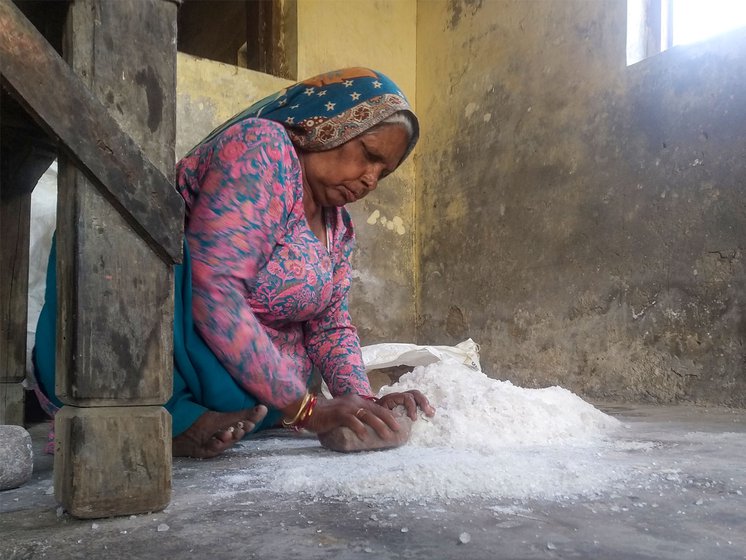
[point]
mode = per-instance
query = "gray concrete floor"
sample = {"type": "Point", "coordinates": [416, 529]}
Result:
{"type": "Point", "coordinates": [701, 515]}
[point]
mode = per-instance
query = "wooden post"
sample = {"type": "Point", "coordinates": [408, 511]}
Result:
{"type": "Point", "coordinates": [271, 38]}
{"type": "Point", "coordinates": [15, 209]}
{"type": "Point", "coordinates": [115, 294]}
{"type": "Point", "coordinates": [25, 153]}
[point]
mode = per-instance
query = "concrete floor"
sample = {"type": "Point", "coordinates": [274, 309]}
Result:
{"type": "Point", "coordinates": [700, 513]}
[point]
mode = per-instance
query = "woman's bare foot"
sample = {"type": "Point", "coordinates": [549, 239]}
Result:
{"type": "Point", "coordinates": [214, 432]}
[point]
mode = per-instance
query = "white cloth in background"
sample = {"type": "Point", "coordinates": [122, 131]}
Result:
{"type": "Point", "coordinates": [43, 223]}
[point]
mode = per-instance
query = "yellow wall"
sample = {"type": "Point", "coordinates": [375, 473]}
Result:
{"type": "Point", "coordinates": [378, 34]}
{"type": "Point", "coordinates": [209, 93]}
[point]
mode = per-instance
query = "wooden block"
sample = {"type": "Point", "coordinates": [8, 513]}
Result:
{"type": "Point", "coordinates": [12, 398]}
{"type": "Point", "coordinates": [112, 461]}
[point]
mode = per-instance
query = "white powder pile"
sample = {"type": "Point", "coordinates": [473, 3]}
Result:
{"type": "Point", "coordinates": [482, 414]}
{"type": "Point", "coordinates": [489, 439]}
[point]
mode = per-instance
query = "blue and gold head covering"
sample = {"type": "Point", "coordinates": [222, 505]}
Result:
{"type": "Point", "coordinates": [326, 111]}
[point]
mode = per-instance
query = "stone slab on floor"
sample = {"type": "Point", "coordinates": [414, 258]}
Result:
{"type": "Point", "coordinates": [16, 457]}
{"type": "Point", "coordinates": [699, 516]}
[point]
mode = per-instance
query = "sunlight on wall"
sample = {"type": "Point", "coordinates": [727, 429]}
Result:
{"type": "Point", "coordinates": [695, 20]}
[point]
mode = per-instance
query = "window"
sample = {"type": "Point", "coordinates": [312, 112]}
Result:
{"type": "Point", "coordinates": [696, 20]}
{"type": "Point", "coordinates": [656, 25]}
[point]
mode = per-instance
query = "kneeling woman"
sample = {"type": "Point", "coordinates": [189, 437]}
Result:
{"type": "Point", "coordinates": [262, 295]}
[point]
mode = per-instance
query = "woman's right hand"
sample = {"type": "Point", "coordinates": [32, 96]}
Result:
{"type": "Point", "coordinates": [354, 412]}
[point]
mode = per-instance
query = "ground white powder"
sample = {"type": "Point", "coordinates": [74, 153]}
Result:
{"type": "Point", "coordinates": [482, 414]}
{"type": "Point", "coordinates": [489, 439]}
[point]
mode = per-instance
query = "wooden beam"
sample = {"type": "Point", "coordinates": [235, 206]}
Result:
{"type": "Point", "coordinates": [61, 103]}
{"type": "Point", "coordinates": [271, 38]}
{"type": "Point", "coordinates": [260, 44]}
{"type": "Point", "coordinates": [115, 295]}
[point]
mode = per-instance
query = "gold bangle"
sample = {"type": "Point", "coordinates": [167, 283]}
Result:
{"type": "Point", "coordinates": [301, 408]}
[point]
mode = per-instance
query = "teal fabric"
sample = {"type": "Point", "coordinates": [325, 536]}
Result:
{"type": "Point", "coordinates": [201, 383]}
{"type": "Point", "coordinates": [44, 349]}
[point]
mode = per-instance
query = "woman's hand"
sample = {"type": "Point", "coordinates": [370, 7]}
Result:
{"type": "Point", "coordinates": [353, 412]}
{"type": "Point", "coordinates": [410, 400]}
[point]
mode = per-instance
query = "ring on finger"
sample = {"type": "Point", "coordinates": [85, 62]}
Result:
{"type": "Point", "coordinates": [360, 413]}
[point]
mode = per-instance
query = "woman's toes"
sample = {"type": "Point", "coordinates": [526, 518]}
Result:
{"type": "Point", "coordinates": [215, 447]}
{"type": "Point", "coordinates": [225, 436]}
{"type": "Point", "coordinates": [253, 417]}
{"type": "Point", "coordinates": [238, 435]}
{"type": "Point", "coordinates": [214, 432]}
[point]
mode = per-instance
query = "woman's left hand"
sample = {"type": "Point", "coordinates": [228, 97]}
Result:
{"type": "Point", "coordinates": [410, 400]}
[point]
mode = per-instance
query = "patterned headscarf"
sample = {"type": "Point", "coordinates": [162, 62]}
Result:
{"type": "Point", "coordinates": [326, 111]}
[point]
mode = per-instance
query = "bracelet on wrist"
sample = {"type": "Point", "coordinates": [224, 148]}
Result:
{"type": "Point", "coordinates": [303, 403]}
{"type": "Point", "coordinates": [303, 420]}
{"type": "Point", "coordinates": [305, 411]}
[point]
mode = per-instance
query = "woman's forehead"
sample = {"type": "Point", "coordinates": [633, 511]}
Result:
{"type": "Point", "coordinates": [390, 142]}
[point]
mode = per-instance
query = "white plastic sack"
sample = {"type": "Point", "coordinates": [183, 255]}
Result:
{"type": "Point", "coordinates": [391, 354]}
{"type": "Point", "coordinates": [379, 356]}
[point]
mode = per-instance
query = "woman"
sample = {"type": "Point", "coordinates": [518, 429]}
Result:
{"type": "Point", "coordinates": [261, 298]}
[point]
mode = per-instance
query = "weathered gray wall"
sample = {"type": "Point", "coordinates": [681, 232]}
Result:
{"type": "Point", "coordinates": [582, 220]}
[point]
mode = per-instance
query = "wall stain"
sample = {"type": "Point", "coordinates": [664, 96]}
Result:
{"type": "Point", "coordinates": [456, 324]}
{"type": "Point", "coordinates": [456, 9]}
{"type": "Point", "coordinates": [148, 78]}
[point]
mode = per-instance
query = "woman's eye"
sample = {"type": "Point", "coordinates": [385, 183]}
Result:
{"type": "Point", "coordinates": [370, 156]}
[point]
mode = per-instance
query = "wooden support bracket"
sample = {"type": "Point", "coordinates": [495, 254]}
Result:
{"type": "Point", "coordinates": [62, 104]}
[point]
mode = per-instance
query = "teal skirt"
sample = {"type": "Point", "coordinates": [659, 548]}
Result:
{"type": "Point", "coordinates": [201, 383]}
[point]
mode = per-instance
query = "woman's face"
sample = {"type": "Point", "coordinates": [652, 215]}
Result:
{"type": "Point", "coordinates": [349, 172]}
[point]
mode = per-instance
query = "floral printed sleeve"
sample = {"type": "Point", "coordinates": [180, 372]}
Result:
{"type": "Point", "coordinates": [331, 339]}
{"type": "Point", "coordinates": [234, 223]}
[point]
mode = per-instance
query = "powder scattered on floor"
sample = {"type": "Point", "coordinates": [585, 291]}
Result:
{"type": "Point", "coordinates": [487, 439]}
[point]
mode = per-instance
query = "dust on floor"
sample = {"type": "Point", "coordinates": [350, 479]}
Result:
{"type": "Point", "coordinates": [678, 493]}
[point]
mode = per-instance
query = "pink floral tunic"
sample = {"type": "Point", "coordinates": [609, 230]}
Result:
{"type": "Point", "coordinates": [268, 298]}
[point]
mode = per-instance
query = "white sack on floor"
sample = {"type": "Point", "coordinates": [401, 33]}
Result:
{"type": "Point", "coordinates": [390, 354]}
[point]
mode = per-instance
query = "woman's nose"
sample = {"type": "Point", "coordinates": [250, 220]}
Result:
{"type": "Point", "coordinates": [370, 181]}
